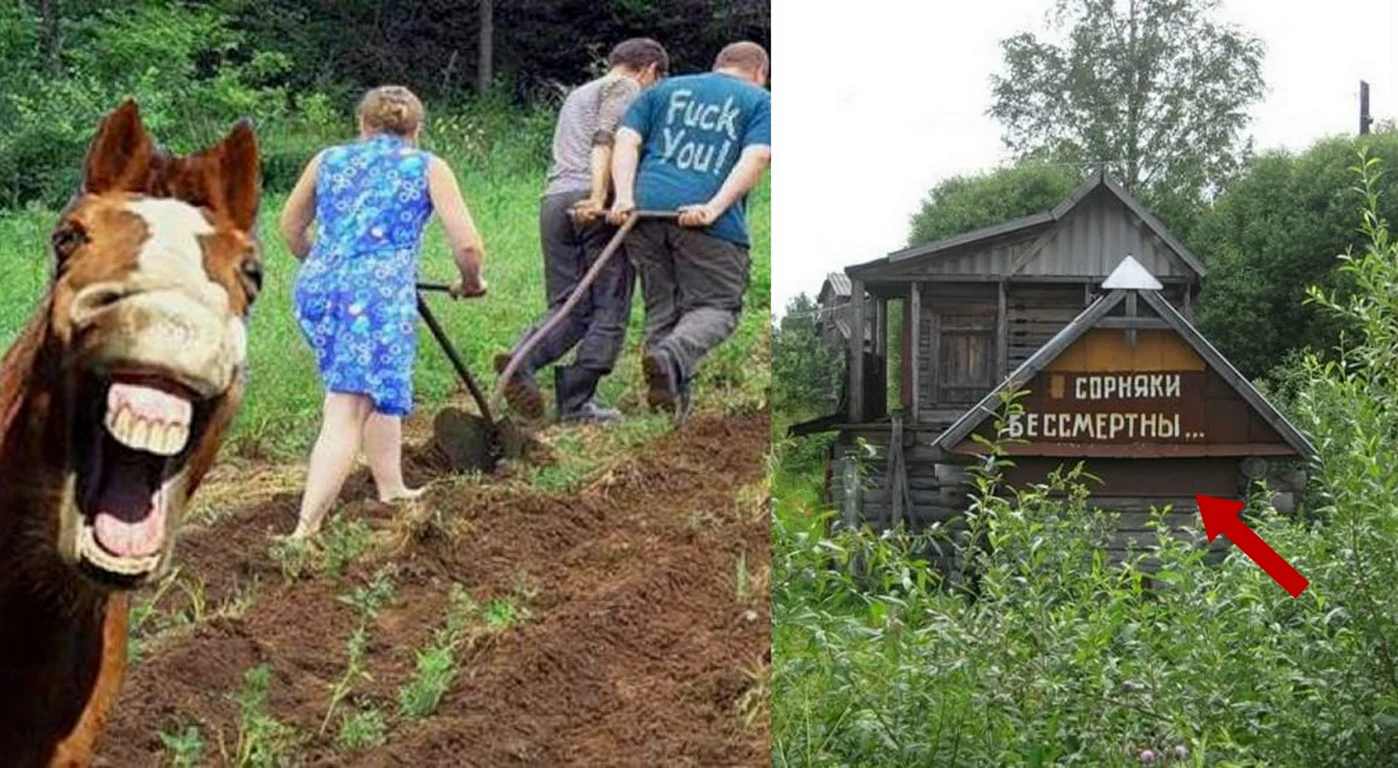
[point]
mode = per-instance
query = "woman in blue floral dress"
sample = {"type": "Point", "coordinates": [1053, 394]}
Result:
{"type": "Point", "coordinates": [354, 297]}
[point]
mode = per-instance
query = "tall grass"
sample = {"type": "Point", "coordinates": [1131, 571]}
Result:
{"type": "Point", "coordinates": [500, 156]}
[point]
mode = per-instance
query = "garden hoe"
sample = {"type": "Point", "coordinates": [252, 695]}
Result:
{"type": "Point", "coordinates": [481, 442]}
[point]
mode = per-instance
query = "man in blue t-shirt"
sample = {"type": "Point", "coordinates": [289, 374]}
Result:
{"type": "Point", "coordinates": [696, 144]}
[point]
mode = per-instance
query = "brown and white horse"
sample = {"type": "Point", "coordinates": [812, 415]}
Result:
{"type": "Point", "coordinates": [113, 402]}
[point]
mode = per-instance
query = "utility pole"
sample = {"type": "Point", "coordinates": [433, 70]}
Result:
{"type": "Point", "coordinates": [1365, 120]}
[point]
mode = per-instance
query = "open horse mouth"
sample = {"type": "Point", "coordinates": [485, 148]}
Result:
{"type": "Point", "coordinates": [131, 455]}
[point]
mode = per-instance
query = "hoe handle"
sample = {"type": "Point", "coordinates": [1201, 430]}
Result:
{"type": "Point", "coordinates": [522, 352]}
{"type": "Point", "coordinates": [453, 356]}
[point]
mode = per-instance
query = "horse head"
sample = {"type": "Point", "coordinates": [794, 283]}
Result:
{"type": "Point", "coordinates": [155, 269]}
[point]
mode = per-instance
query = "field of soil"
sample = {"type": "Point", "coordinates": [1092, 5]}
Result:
{"type": "Point", "coordinates": [642, 637]}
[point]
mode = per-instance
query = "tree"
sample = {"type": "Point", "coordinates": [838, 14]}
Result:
{"type": "Point", "coordinates": [1155, 91]}
{"type": "Point", "coordinates": [963, 203]}
{"type": "Point", "coordinates": [805, 372]}
{"type": "Point", "coordinates": [485, 64]}
{"type": "Point", "coordinates": [1277, 230]}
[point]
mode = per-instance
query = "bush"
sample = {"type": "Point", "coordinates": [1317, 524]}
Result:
{"type": "Point", "coordinates": [963, 203]}
{"type": "Point", "coordinates": [1274, 231]}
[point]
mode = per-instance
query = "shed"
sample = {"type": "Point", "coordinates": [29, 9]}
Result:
{"type": "Point", "coordinates": [1094, 294]}
{"type": "Point", "coordinates": [833, 301]}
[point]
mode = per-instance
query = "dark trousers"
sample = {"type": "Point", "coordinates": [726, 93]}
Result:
{"type": "Point", "coordinates": [693, 284]}
{"type": "Point", "coordinates": [597, 326]}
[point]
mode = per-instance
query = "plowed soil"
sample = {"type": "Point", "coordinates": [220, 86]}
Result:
{"type": "Point", "coordinates": [643, 644]}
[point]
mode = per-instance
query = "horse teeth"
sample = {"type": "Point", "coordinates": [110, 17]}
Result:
{"type": "Point", "coordinates": [179, 437]}
{"type": "Point", "coordinates": [140, 435]}
{"type": "Point", "coordinates": [127, 422]}
{"type": "Point", "coordinates": [121, 425]}
{"type": "Point", "coordinates": [171, 439]}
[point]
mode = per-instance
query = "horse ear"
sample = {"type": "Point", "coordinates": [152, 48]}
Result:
{"type": "Point", "coordinates": [240, 175]}
{"type": "Point", "coordinates": [120, 153]}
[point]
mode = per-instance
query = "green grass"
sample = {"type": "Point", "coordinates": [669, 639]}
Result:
{"type": "Point", "coordinates": [437, 664]}
{"type": "Point", "coordinates": [281, 410]}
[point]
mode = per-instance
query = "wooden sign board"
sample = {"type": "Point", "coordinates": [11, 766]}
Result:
{"type": "Point", "coordinates": [1104, 396]}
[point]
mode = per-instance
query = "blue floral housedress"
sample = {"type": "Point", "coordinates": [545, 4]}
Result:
{"type": "Point", "coordinates": [354, 296]}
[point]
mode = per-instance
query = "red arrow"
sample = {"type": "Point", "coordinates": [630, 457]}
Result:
{"type": "Point", "coordinates": [1221, 516]}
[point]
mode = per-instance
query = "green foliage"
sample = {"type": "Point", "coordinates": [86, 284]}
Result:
{"type": "Point", "coordinates": [1156, 91]}
{"type": "Point", "coordinates": [963, 203]}
{"type": "Point", "coordinates": [263, 740]}
{"type": "Point", "coordinates": [538, 44]}
{"type": "Point", "coordinates": [192, 72]}
{"type": "Point", "coordinates": [805, 371]}
{"type": "Point", "coordinates": [437, 664]}
{"type": "Point", "coordinates": [1276, 230]}
{"type": "Point", "coordinates": [371, 597]}
{"type": "Point", "coordinates": [368, 599]}
{"type": "Point", "coordinates": [363, 729]}
{"type": "Point", "coordinates": [502, 613]}
{"type": "Point", "coordinates": [355, 673]}
{"type": "Point", "coordinates": [1050, 655]}
{"type": "Point", "coordinates": [344, 542]}
{"type": "Point", "coordinates": [298, 71]}
{"type": "Point", "coordinates": [186, 748]}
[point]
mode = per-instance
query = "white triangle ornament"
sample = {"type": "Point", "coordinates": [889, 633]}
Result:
{"type": "Point", "coordinates": [1129, 275]}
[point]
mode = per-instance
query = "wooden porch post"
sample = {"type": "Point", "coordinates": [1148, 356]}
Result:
{"type": "Point", "coordinates": [856, 352]}
{"type": "Point", "coordinates": [914, 361]}
{"type": "Point", "coordinates": [1002, 337]}
{"type": "Point", "coordinates": [880, 398]}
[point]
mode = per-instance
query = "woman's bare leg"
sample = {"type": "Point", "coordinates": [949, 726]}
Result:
{"type": "Point", "coordinates": [332, 458]}
{"type": "Point", "coordinates": [383, 445]}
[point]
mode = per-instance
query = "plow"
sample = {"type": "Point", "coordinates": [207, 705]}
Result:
{"type": "Point", "coordinates": [479, 442]}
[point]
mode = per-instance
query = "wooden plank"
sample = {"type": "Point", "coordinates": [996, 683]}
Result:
{"type": "Point", "coordinates": [965, 309]}
{"type": "Point", "coordinates": [1131, 314]}
{"type": "Point", "coordinates": [916, 326]}
{"type": "Point", "coordinates": [953, 293]}
{"type": "Point", "coordinates": [1023, 259]}
{"type": "Point", "coordinates": [1001, 338]}
{"type": "Point", "coordinates": [1133, 323]}
{"type": "Point", "coordinates": [989, 279]}
{"type": "Point", "coordinates": [856, 351]}
{"type": "Point", "coordinates": [934, 355]}
{"type": "Point", "coordinates": [881, 328]}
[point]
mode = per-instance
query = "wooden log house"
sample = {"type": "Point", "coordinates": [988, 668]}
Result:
{"type": "Point", "coordinates": [1087, 307]}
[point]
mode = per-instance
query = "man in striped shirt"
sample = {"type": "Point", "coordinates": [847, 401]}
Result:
{"type": "Point", "coordinates": [573, 231]}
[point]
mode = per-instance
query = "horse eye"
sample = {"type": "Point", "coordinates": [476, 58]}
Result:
{"type": "Point", "coordinates": [251, 274]}
{"type": "Point", "coordinates": [68, 238]}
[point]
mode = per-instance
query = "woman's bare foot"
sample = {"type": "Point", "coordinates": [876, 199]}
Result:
{"type": "Point", "coordinates": [401, 494]}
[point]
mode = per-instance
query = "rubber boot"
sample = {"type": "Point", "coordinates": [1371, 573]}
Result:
{"type": "Point", "coordinates": [521, 392]}
{"type": "Point", "coordinates": [667, 389]}
{"type": "Point", "coordinates": [575, 391]}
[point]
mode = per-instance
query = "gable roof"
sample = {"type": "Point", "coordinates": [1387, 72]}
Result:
{"type": "Point", "coordinates": [1028, 224]}
{"type": "Point", "coordinates": [836, 284]}
{"type": "Point", "coordinates": [1127, 273]}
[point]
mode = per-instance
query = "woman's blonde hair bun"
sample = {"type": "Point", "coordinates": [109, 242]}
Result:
{"type": "Point", "coordinates": [391, 109]}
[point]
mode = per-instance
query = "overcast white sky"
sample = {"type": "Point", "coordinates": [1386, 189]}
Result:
{"type": "Point", "coordinates": [878, 100]}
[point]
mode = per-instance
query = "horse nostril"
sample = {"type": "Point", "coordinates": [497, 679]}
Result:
{"type": "Point", "coordinates": [95, 298]}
